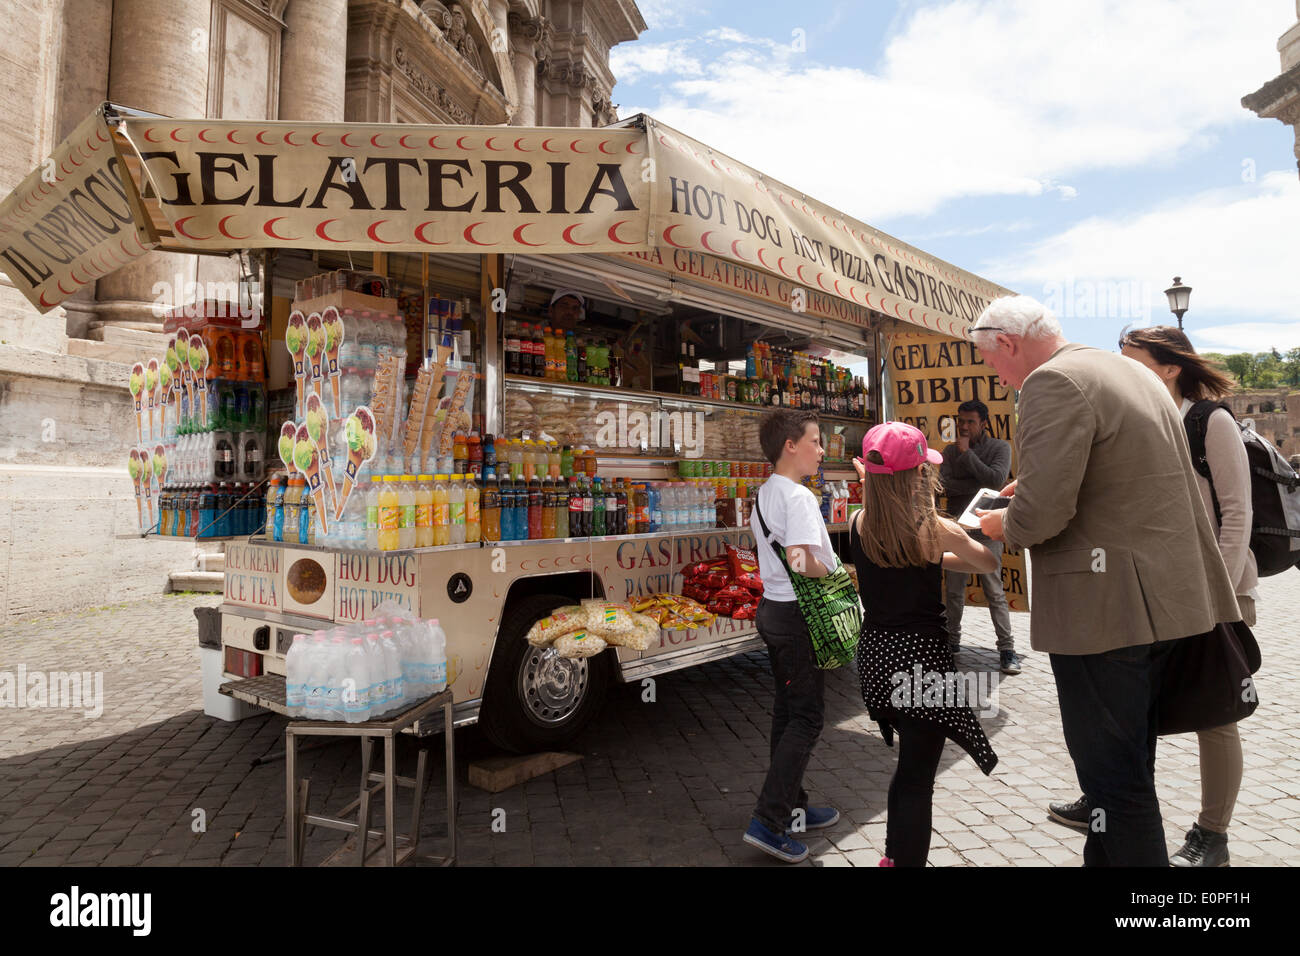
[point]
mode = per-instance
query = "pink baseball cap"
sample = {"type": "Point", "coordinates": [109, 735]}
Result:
{"type": "Point", "coordinates": [902, 447]}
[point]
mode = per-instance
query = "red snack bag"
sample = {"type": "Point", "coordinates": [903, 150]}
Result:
{"type": "Point", "coordinates": [721, 605]}
{"type": "Point", "coordinates": [744, 612]}
{"type": "Point", "coordinates": [698, 593]}
{"type": "Point", "coordinates": [751, 580]}
{"type": "Point", "coordinates": [692, 571]}
{"type": "Point", "coordinates": [736, 593]}
{"type": "Point", "coordinates": [714, 580]}
{"type": "Point", "coordinates": [741, 561]}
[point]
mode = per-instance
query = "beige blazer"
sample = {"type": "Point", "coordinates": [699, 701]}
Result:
{"type": "Point", "coordinates": [1122, 551]}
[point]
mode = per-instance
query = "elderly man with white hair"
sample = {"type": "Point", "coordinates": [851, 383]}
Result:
{"type": "Point", "coordinates": [1123, 558]}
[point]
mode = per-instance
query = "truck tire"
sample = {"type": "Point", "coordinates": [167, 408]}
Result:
{"type": "Point", "coordinates": [533, 699]}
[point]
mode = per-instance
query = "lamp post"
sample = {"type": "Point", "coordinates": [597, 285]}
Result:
{"type": "Point", "coordinates": [1179, 295]}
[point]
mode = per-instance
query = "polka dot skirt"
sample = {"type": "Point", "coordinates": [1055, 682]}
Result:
{"type": "Point", "coordinates": [896, 671]}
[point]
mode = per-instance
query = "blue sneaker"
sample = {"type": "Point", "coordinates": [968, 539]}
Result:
{"type": "Point", "coordinates": [775, 844]}
{"type": "Point", "coordinates": [816, 818]}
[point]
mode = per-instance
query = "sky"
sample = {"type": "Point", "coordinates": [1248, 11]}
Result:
{"type": "Point", "coordinates": [1083, 152]}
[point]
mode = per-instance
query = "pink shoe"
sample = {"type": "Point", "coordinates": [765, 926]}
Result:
{"type": "Point", "coordinates": [885, 861]}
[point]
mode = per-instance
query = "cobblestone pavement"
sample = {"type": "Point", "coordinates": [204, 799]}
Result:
{"type": "Point", "coordinates": [669, 782]}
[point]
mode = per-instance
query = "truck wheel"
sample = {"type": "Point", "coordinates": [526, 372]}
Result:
{"type": "Point", "coordinates": [534, 699]}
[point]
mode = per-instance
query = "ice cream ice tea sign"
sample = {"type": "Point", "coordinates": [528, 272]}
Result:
{"type": "Point", "coordinates": [253, 576]}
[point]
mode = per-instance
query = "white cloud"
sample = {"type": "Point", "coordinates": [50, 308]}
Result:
{"type": "Point", "coordinates": [1234, 246]}
{"type": "Point", "coordinates": [979, 98]}
{"type": "Point", "coordinates": [630, 62]}
{"type": "Point", "coordinates": [666, 13]}
{"type": "Point", "coordinates": [1247, 337]}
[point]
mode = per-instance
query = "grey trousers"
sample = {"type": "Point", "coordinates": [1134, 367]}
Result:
{"type": "Point", "coordinates": [955, 599]}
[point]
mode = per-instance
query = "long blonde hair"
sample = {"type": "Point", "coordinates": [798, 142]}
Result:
{"type": "Point", "coordinates": [900, 524]}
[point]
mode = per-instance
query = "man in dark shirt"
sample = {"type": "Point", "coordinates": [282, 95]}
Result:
{"type": "Point", "coordinates": [977, 460]}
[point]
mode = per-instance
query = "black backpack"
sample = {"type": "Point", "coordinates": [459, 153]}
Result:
{"type": "Point", "coordinates": [1274, 491]}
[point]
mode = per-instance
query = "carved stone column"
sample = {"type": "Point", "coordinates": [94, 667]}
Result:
{"type": "Point", "coordinates": [525, 37]}
{"type": "Point", "coordinates": [313, 65]}
{"type": "Point", "coordinates": [158, 62]}
{"type": "Point", "coordinates": [1279, 98]}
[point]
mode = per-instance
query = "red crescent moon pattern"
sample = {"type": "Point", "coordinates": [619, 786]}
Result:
{"type": "Point", "coordinates": [520, 148]}
{"type": "Point", "coordinates": [180, 227]}
{"type": "Point", "coordinates": [258, 136]}
{"type": "Point", "coordinates": [821, 283]}
{"type": "Point", "coordinates": [613, 234]}
{"type": "Point", "coordinates": [567, 235]}
{"type": "Point", "coordinates": [59, 283]}
{"type": "Point", "coordinates": [401, 141]}
{"type": "Point", "coordinates": [488, 144]}
{"type": "Point", "coordinates": [202, 138]}
{"type": "Point", "coordinates": [761, 250]}
{"type": "Point", "coordinates": [231, 137]}
{"type": "Point", "coordinates": [460, 143]}
{"type": "Point", "coordinates": [177, 138]}
{"type": "Point", "coordinates": [781, 259]}
{"type": "Point", "coordinates": [372, 231]}
{"type": "Point", "coordinates": [544, 148]}
{"type": "Point", "coordinates": [317, 141]}
{"type": "Point", "coordinates": [150, 138]}
{"type": "Point", "coordinates": [573, 145]}
{"type": "Point", "coordinates": [668, 236]}
{"type": "Point", "coordinates": [519, 234]}
{"type": "Point", "coordinates": [419, 233]}
{"type": "Point", "coordinates": [898, 309]}
{"type": "Point", "coordinates": [47, 305]}
{"type": "Point", "coordinates": [288, 141]}
{"type": "Point", "coordinates": [267, 228]}
{"type": "Point", "coordinates": [601, 146]}
{"type": "Point", "coordinates": [343, 141]}
{"type": "Point", "coordinates": [839, 291]}
{"type": "Point", "coordinates": [320, 230]}
{"type": "Point", "coordinates": [799, 273]}
{"type": "Point", "coordinates": [221, 228]}
{"type": "Point", "coordinates": [374, 144]}
{"type": "Point", "coordinates": [852, 294]}
{"type": "Point", "coordinates": [735, 251]}
{"type": "Point", "coordinates": [704, 240]}
{"type": "Point", "coordinates": [433, 142]}
{"type": "Point", "coordinates": [630, 149]}
{"type": "Point", "coordinates": [469, 231]}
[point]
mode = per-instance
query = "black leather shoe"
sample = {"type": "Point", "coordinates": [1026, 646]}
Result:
{"type": "Point", "coordinates": [1075, 814]}
{"type": "Point", "coordinates": [1203, 848]}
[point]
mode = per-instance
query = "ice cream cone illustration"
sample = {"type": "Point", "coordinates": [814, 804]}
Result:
{"type": "Point", "coordinates": [307, 461]}
{"type": "Point", "coordinates": [334, 334]}
{"type": "Point", "coordinates": [183, 370]}
{"type": "Point", "coordinates": [287, 433]}
{"type": "Point", "coordinates": [136, 385]}
{"type": "Point", "coordinates": [316, 350]}
{"type": "Point", "coordinates": [151, 389]}
{"type": "Point", "coordinates": [146, 482]}
{"type": "Point", "coordinates": [360, 431]}
{"type": "Point", "coordinates": [165, 384]}
{"type": "Point", "coordinates": [135, 468]}
{"type": "Point", "coordinates": [198, 371]}
{"type": "Point", "coordinates": [295, 339]}
{"type": "Point", "coordinates": [159, 466]}
{"type": "Point", "coordinates": [318, 428]}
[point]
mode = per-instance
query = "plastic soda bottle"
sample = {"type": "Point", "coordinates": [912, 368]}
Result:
{"type": "Point", "coordinates": [441, 511]}
{"type": "Point", "coordinates": [389, 538]}
{"type": "Point", "coordinates": [473, 516]}
{"type": "Point", "coordinates": [371, 492]}
{"type": "Point", "coordinates": [456, 509]}
{"type": "Point", "coordinates": [424, 512]}
{"type": "Point", "coordinates": [491, 510]}
{"type": "Point", "coordinates": [406, 502]}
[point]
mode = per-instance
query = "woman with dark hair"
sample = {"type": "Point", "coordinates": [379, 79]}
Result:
{"type": "Point", "coordinates": [1190, 378]}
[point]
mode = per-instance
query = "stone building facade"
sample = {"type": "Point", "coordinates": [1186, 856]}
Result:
{"type": "Point", "coordinates": [1276, 413]}
{"type": "Point", "coordinates": [66, 503]}
{"type": "Point", "coordinates": [1279, 98]}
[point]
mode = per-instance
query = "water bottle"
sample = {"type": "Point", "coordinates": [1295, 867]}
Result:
{"type": "Point", "coordinates": [317, 677]}
{"type": "Point", "coordinates": [337, 673]}
{"type": "Point", "coordinates": [378, 685]}
{"type": "Point", "coordinates": [295, 681]}
{"type": "Point", "coordinates": [437, 657]}
{"type": "Point", "coordinates": [393, 670]}
{"type": "Point", "coordinates": [356, 699]}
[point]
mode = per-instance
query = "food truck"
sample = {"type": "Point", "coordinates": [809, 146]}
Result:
{"type": "Point", "coordinates": [625, 296]}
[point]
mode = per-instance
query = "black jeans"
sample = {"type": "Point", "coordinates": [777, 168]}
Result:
{"type": "Point", "coordinates": [1108, 717]}
{"type": "Point", "coordinates": [911, 791]}
{"type": "Point", "coordinates": [798, 710]}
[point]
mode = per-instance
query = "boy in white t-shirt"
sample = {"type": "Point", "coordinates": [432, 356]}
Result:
{"type": "Point", "coordinates": [791, 440]}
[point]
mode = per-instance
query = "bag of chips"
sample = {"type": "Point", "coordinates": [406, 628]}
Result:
{"type": "Point", "coordinates": [750, 580]}
{"type": "Point", "coordinates": [744, 612]}
{"type": "Point", "coordinates": [561, 621]}
{"type": "Point", "coordinates": [741, 560]}
{"type": "Point", "coordinates": [579, 644]}
{"type": "Point", "coordinates": [736, 594]}
{"type": "Point", "coordinates": [721, 605]}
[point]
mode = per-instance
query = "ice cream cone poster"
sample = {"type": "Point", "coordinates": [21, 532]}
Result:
{"type": "Point", "coordinates": [166, 383]}
{"type": "Point", "coordinates": [135, 468]}
{"type": "Point", "coordinates": [334, 332]}
{"type": "Point", "coordinates": [151, 389]}
{"type": "Point", "coordinates": [146, 483]}
{"type": "Point", "coordinates": [159, 466]}
{"type": "Point", "coordinates": [295, 339]}
{"type": "Point", "coordinates": [316, 351]}
{"type": "Point", "coordinates": [288, 431]}
{"type": "Point", "coordinates": [198, 372]}
{"type": "Point", "coordinates": [318, 430]}
{"type": "Point", "coordinates": [360, 432]}
{"type": "Point", "coordinates": [307, 460]}
{"type": "Point", "coordinates": [184, 390]}
{"type": "Point", "coordinates": [136, 385]}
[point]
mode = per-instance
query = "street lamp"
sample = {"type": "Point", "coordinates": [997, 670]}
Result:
{"type": "Point", "coordinates": [1179, 295]}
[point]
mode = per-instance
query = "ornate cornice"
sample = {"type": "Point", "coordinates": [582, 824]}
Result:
{"type": "Point", "coordinates": [1276, 91]}
{"type": "Point", "coordinates": [427, 87]}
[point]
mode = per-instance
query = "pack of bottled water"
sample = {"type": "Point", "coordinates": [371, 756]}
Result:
{"type": "Point", "coordinates": [366, 670]}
